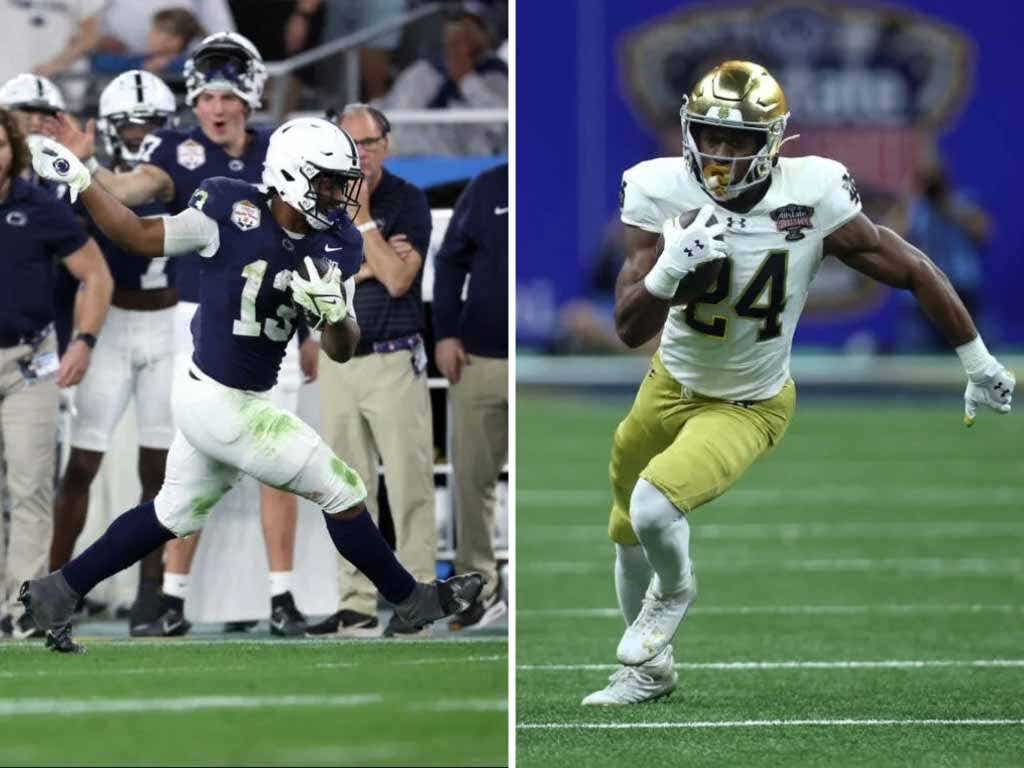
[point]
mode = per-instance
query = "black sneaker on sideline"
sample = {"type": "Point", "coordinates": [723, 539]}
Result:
{"type": "Point", "coordinates": [147, 608]}
{"type": "Point", "coordinates": [480, 614]}
{"type": "Point", "coordinates": [285, 619]}
{"type": "Point", "coordinates": [346, 623]}
{"type": "Point", "coordinates": [6, 625]}
{"type": "Point", "coordinates": [25, 629]}
{"type": "Point", "coordinates": [170, 623]}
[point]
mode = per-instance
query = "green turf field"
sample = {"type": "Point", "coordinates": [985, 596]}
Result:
{"type": "Point", "coordinates": [861, 589]}
{"type": "Point", "coordinates": [207, 701]}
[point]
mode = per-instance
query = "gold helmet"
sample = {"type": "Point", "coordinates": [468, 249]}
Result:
{"type": "Point", "coordinates": [739, 95]}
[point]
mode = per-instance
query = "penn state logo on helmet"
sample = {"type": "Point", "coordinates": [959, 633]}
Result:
{"type": "Point", "coordinates": [226, 61]}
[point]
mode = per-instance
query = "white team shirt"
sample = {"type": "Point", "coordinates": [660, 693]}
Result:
{"type": "Point", "coordinates": [736, 344]}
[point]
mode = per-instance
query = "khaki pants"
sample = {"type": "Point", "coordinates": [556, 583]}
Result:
{"type": "Point", "coordinates": [28, 420]}
{"type": "Point", "coordinates": [479, 449]}
{"type": "Point", "coordinates": [373, 407]}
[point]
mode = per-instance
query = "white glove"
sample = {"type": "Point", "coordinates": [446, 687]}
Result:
{"type": "Point", "coordinates": [319, 296]}
{"type": "Point", "coordinates": [56, 162]}
{"type": "Point", "coordinates": [993, 388]}
{"type": "Point", "coordinates": [685, 250]}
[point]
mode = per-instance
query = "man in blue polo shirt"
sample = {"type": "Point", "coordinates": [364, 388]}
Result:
{"type": "Point", "coordinates": [36, 230]}
{"type": "Point", "coordinates": [377, 405]}
{"type": "Point", "coordinates": [472, 353]}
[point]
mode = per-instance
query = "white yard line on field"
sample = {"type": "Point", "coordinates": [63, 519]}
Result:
{"type": "Point", "coordinates": [463, 705]}
{"type": "Point", "coordinates": [966, 722]}
{"type": "Point", "coordinates": [452, 660]}
{"type": "Point", "coordinates": [782, 610]}
{"type": "Point", "coordinates": [940, 566]}
{"type": "Point", "coordinates": [13, 707]}
{"type": "Point", "coordinates": [920, 529]}
{"type": "Point", "coordinates": [836, 492]}
{"type": "Point", "coordinates": [768, 665]}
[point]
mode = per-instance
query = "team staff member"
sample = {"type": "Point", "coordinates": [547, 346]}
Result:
{"type": "Point", "coordinates": [385, 410]}
{"type": "Point", "coordinates": [472, 353]}
{"type": "Point", "coordinates": [36, 230]}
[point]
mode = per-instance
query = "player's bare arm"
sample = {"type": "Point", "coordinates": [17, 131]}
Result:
{"type": "Point", "coordinates": [882, 255]}
{"type": "Point", "coordinates": [142, 184]}
{"type": "Point", "coordinates": [339, 340]}
{"type": "Point", "coordinates": [396, 271]}
{"type": "Point", "coordinates": [139, 236]}
{"type": "Point", "coordinates": [639, 314]}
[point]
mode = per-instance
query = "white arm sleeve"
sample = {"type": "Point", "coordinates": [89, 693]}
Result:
{"type": "Point", "coordinates": [350, 295]}
{"type": "Point", "coordinates": [190, 231]}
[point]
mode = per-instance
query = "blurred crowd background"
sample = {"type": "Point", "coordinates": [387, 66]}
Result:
{"type": "Point", "coordinates": [911, 96]}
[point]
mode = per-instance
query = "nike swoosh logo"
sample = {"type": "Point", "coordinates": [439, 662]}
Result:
{"type": "Point", "coordinates": [328, 248]}
{"type": "Point", "coordinates": [498, 210]}
{"type": "Point", "coordinates": [277, 624]}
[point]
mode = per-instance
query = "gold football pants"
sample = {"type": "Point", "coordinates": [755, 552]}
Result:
{"type": "Point", "coordinates": [690, 447]}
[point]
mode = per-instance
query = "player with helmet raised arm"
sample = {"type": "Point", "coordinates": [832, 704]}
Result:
{"type": "Point", "coordinates": [134, 355]}
{"type": "Point", "coordinates": [260, 247]}
{"type": "Point", "coordinates": [721, 250]}
{"type": "Point", "coordinates": [224, 80]}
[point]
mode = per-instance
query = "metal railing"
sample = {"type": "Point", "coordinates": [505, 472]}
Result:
{"type": "Point", "coordinates": [349, 45]}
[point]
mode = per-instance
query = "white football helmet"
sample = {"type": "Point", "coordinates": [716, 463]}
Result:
{"type": "Point", "coordinates": [306, 152]}
{"type": "Point", "coordinates": [226, 61]}
{"type": "Point", "coordinates": [136, 97]}
{"type": "Point", "coordinates": [31, 92]}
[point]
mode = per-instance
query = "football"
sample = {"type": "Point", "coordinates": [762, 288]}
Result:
{"type": "Point", "coordinates": [703, 277]}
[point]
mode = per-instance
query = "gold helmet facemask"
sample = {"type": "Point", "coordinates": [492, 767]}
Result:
{"type": "Point", "coordinates": [735, 95]}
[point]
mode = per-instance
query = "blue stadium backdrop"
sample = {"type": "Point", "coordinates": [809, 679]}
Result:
{"type": "Point", "coordinates": [598, 88]}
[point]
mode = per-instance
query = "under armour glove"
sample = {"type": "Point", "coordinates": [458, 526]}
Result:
{"type": "Point", "coordinates": [686, 248]}
{"type": "Point", "coordinates": [319, 295]}
{"type": "Point", "coordinates": [989, 382]}
{"type": "Point", "coordinates": [56, 162]}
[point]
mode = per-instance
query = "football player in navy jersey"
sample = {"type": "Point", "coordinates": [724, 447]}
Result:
{"type": "Point", "coordinates": [134, 355]}
{"type": "Point", "coordinates": [224, 80]}
{"type": "Point", "coordinates": [259, 245]}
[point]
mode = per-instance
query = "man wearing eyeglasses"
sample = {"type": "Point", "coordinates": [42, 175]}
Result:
{"type": "Point", "coordinates": [377, 406]}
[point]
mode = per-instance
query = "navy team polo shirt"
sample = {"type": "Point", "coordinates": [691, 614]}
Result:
{"type": "Point", "coordinates": [36, 230]}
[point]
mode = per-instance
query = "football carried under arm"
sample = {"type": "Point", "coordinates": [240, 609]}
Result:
{"type": "Point", "coordinates": [665, 270]}
{"type": "Point", "coordinates": [143, 237]}
{"type": "Point", "coordinates": [881, 254]}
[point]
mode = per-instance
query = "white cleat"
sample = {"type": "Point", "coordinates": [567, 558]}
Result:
{"type": "Point", "coordinates": [635, 685]}
{"type": "Point", "coordinates": [656, 625]}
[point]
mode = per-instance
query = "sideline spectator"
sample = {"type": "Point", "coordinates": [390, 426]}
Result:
{"type": "Point", "coordinates": [376, 57]}
{"type": "Point", "coordinates": [470, 76]}
{"type": "Point", "coordinates": [36, 229]}
{"type": "Point", "coordinates": [377, 404]}
{"type": "Point", "coordinates": [472, 353]}
{"type": "Point", "coordinates": [126, 23]}
{"type": "Point", "coordinates": [172, 32]}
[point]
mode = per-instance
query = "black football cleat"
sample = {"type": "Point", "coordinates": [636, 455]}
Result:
{"type": "Point", "coordinates": [170, 623]}
{"type": "Point", "coordinates": [49, 602]}
{"type": "Point", "coordinates": [60, 641]}
{"type": "Point", "coordinates": [285, 619]}
{"type": "Point", "coordinates": [433, 601]}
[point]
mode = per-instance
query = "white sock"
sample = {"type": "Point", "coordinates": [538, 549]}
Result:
{"type": "Point", "coordinates": [280, 582]}
{"type": "Point", "coordinates": [632, 575]}
{"type": "Point", "coordinates": [665, 534]}
{"type": "Point", "coordinates": [175, 584]}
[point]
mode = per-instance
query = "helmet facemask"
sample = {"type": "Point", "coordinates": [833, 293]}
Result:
{"type": "Point", "coordinates": [717, 174]}
{"type": "Point", "coordinates": [112, 126]}
{"type": "Point", "coordinates": [226, 64]}
{"type": "Point", "coordinates": [328, 193]}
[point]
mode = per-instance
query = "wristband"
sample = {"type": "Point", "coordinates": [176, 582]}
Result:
{"type": "Point", "coordinates": [92, 164]}
{"type": "Point", "coordinates": [975, 357]}
{"type": "Point", "coordinates": [660, 283]}
{"type": "Point", "coordinates": [363, 228]}
{"type": "Point", "coordinates": [88, 338]}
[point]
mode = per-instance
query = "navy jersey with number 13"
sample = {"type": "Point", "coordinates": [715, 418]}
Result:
{"type": "Point", "coordinates": [245, 316]}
